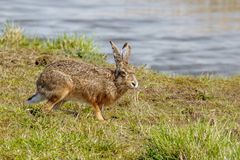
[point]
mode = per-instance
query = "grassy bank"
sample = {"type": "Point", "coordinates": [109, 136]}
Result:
{"type": "Point", "coordinates": [175, 117]}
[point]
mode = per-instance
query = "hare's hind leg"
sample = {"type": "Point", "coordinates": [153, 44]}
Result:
{"type": "Point", "coordinates": [55, 86]}
{"type": "Point", "coordinates": [59, 104]}
{"type": "Point", "coordinates": [55, 100]}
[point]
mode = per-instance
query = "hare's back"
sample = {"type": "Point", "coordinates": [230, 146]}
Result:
{"type": "Point", "coordinates": [81, 69]}
{"type": "Point", "coordinates": [70, 67]}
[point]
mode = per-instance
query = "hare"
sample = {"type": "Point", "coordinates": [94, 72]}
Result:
{"type": "Point", "coordinates": [66, 80]}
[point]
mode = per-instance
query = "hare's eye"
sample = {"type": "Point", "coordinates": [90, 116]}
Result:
{"type": "Point", "coordinates": [123, 73]}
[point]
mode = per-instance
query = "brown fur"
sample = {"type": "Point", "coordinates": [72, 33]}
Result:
{"type": "Point", "coordinates": [66, 80]}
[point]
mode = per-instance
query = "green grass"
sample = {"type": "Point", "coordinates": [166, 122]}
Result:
{"type": "Point", "coordinates": [69, 45]}
{"type": "Point", "coordinates": [174, 117]}
{"type": "Point", "coordinates": [195, 141]}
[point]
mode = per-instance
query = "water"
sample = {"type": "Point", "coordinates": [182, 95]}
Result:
{"type": "Point", "coordinates": [173, 36]}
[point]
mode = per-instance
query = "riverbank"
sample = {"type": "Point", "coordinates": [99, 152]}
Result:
{"type": "Point", "coordinates": [174, 117]}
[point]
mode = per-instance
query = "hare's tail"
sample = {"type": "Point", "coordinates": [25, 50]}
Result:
{"type": "Point", "coordinates": [35, 98]}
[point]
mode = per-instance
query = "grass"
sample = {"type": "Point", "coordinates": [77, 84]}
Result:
{"type": "Point", "coordinates": [73, 45]}
{"type": "Point", "coordinates": [175, 117]}
{"type": "Point", "coordinates": [194, 141]}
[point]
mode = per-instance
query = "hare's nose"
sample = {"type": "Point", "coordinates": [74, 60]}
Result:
{"type": "Point", "coordinates": [134, 84]}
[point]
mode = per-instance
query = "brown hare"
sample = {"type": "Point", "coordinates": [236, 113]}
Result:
{"type": "Point", "coordinates": [66, 80]}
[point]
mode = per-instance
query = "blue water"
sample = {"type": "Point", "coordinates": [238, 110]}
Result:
{"type": "Point", "coordinates": [177, 37]}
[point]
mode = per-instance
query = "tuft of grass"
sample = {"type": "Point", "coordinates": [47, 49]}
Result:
{"type": "Point", "coordinates": [12, 36]}
{"type": "Point", "coordinates": [195, 141]}
{"type": "Point", "coordinates": [69, 45]}
{"type": "Point", "coordinates": [74, 45]}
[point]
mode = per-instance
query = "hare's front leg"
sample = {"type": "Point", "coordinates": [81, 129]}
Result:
{"type": "Point", "coordinates": [98, 112]}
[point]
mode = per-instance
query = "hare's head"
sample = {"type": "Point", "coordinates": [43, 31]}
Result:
{"type": "Point", "coordinates": [124, 73]}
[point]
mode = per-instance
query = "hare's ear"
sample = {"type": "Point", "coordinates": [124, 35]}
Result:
{"type": "Point", "coordinates": [126, 52]}
{"type": "Point", "coordinates": [116, 54]}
